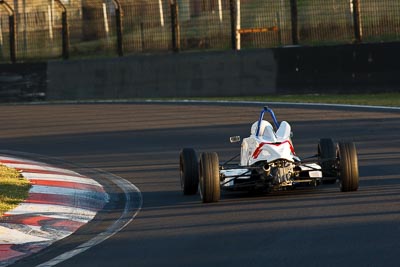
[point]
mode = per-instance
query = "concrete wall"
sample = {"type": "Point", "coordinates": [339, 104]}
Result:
{"type": "Point", "coordinates": [367, 68]}
{"type": "Point", "coordinates": [171, 75]}
{"type": "Point", "coordinates": [23, 82]}
{"type": "Point", "coordinates": [339, 69]}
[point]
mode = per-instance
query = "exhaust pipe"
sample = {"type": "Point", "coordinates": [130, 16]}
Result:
{"type": "Point", "coordinates": [267, 169]}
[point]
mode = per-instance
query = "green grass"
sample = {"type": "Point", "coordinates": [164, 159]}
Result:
{"type": "Point", "coordinates": [13, 189]}
{"type": "Point", "coordinates": [381, 99]}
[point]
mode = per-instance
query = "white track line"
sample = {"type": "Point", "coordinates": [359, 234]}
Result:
{"type": "Point", "coordinates": [267, 103]}
{"type": "Point", "coordinates": [129, 189]}
{"type": "Point", "coordinates": [185, 101]}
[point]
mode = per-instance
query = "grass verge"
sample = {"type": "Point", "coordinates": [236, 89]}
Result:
{"type": "Point", "coordinates": [13, 189]}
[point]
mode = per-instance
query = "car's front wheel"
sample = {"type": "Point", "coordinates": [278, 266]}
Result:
{"type": "Point", "coordinates": [348, 166]}
{"type": "Point", "coordinates": [209, 177]}
{"type": "Point", "coordinates": [189, 171]}
{"type": "Point", "coordinates": [327, 160]}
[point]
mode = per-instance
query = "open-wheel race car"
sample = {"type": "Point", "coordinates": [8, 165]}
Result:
{"type": "Point", "coordinates": [268, 162]}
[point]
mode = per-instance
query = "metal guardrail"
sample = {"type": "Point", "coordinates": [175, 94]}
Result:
{"type": "Point", "coordinates": [37, 29]}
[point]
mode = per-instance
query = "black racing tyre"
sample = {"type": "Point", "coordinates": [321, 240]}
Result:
{"type": "Point", "coordinates": [189, 171]}
{"type": "Point", "coordinates": [209, 177]}
{"type": "Point", "coordinates": [348, 167]}
{"type": "Point", "coordinates": [327, 158]}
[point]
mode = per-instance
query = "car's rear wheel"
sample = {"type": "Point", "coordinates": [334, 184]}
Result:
{"type": "Point", "coordinates": [209, 177]}
{"type": "Point", "coordinates": [348, 166]}
{"type": "Point", "coordinates": [189, 171]}
{"type": "Point", "coordinates": [327, 159]}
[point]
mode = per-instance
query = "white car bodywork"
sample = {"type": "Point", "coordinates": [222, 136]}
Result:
{"type": "Point", "coordinates": [268, 145]}
{"type": "Point", "coordinates": [274, 151]}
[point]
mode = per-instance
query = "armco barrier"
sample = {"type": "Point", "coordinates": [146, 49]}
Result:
{"type": "Point", "coordinates": [363, 68]}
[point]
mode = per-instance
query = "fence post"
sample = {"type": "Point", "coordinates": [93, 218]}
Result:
{"type": "Point", "coordinates": [11, 25]}
{"type": "Point", "coordinates": [13, 43]}
{"type": "Point", "coordinates": [233, 26]}
{"type": "Point", "coordinates": [118, 17]}
{"type": "Point", "coordinates": [176, 35]}
{"type": "Point", "coordinates": [357, 21]}
{"type": "Point", "coordinates": [64, 30]}
{"type": "Point", "coordinates": [232, 7]}
{"type": "Point", "coordinates": [294, 19]}
{"type": "Point", "coordinates": [65, 35]}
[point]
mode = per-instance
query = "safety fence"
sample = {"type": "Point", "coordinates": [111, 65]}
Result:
{"type": "Point", "coordinates": [32, 30]}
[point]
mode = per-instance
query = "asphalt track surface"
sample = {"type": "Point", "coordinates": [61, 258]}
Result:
{"type": "Point", "coordinates": [141, 143]}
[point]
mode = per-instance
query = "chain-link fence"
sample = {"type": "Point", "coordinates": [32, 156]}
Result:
{"type": "Point", "coordinates": [146, 26]}
{"type": "Point", "coordinates": [4, 36]}
{"type": "Point", "coordinates": [44, 29]}
{"type": "Point", "coordinates": [380, 20]}
{"type": "Point", "coordinates": [324, 22]}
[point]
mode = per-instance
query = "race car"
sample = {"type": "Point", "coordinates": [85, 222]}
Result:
{"type": "Point", "coordinates": [268, 162]}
